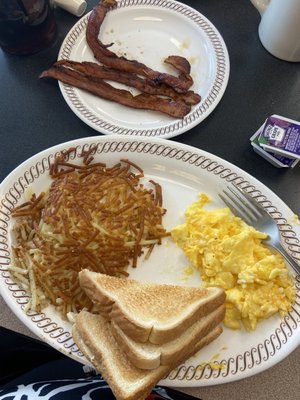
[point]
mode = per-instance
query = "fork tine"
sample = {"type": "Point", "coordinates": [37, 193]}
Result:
{"type": "Point", "coordinates": [238, 208]}
{"type": "Point", "coordinates": [232, 208]}
{"type": "Point", "coordinates": [255, 206]}
{"type": "Point", "coordinates": [248, 202]}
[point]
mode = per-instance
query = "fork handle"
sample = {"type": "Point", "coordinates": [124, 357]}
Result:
{"type": "Point", "coordinates": [288, 258]}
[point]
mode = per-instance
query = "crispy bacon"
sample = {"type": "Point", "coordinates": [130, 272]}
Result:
{"type": "Point", "coordinates": [162, 92]}
{"type": "Point", "coordinates": [177, 109]}
{"type": "Point", "coordinates": [145, 85]}
{"type": "Point", "coordinates": [101, 52]}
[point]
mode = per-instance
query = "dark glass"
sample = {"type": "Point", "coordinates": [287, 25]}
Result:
{"type": "Point", "coordinates": [26, 26]}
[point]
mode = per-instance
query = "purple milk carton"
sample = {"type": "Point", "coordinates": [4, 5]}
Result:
{"type": "Point", "coordinates": [281, 135]}
{"type": "Point", "coordinates": [278, 160]}
{"type": "Point", "coordinates": [275, 159]}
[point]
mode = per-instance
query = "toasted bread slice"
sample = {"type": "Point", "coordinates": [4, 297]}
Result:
{"type": "Point", "coordinates": [147, 311]}
{"type": "Point", "coordinates": [92, 334]}
{"type": "Point", "coordinates": [151, 356]}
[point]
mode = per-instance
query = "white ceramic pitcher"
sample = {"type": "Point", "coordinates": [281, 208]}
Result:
{"type": "Point", "coordinates": [279, 29]}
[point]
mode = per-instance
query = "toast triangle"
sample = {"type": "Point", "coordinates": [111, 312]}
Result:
{"type": "Point", "coordinates": [92, 334]}
{"type": "Point", "coordinates": [149, 312]}
{"type": "Point", "coordinates": [151, 356]}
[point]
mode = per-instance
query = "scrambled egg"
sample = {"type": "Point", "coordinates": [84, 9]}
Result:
{"type": "Point", "coordinates": [229, 254]}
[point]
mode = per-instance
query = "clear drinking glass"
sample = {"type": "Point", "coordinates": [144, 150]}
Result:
{"type": "Point", "coordinates": [26, 26]}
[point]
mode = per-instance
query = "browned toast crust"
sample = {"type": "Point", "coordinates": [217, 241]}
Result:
{"type": "Point", "coordinates": [149, 312]}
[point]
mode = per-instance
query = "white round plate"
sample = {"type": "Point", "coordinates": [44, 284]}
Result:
{"type": "Point", "coordinates": [183, 172]}
{"type": "Point", "coordinates": [149, 31]}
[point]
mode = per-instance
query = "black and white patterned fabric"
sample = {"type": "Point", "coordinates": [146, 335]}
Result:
{"type": "Point", "coordinates": [31, 370]}
{"type": "Point", "coordinates": [67, 389]}
{"type": "Point", "coordinates": [79, 389]}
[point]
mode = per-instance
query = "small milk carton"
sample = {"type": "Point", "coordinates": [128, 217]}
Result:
{"type": "Point", "coordinates": [281, 136]}
{"type": "Point", "coordinates": [278, 141]}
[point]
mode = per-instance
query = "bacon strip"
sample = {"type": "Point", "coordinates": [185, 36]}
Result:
{"type": "Point", "coordinates": [145, 85]}
{"type": "Point", "coordinates": [177, 109]}
{"type": "Point", "coordinates": [101, 52]}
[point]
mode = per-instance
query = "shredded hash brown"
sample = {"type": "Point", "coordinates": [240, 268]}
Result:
{"type": "Point", "coordinates": [93, 216]}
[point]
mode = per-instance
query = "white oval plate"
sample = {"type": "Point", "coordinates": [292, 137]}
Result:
{"type": "Point", "coordinates": [149, 31]}
{"type": "Point", "coordinates": [183, 172]}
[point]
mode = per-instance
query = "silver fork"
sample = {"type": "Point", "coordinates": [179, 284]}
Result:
{"type": "Point", "coordinates": [246, 207]}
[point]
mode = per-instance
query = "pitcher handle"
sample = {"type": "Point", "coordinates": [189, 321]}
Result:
{"type": "Point", "coordinates": [261, 5]}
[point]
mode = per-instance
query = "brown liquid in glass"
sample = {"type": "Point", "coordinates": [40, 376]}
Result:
{"type": "Point", "coordinates": [26, 26]}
